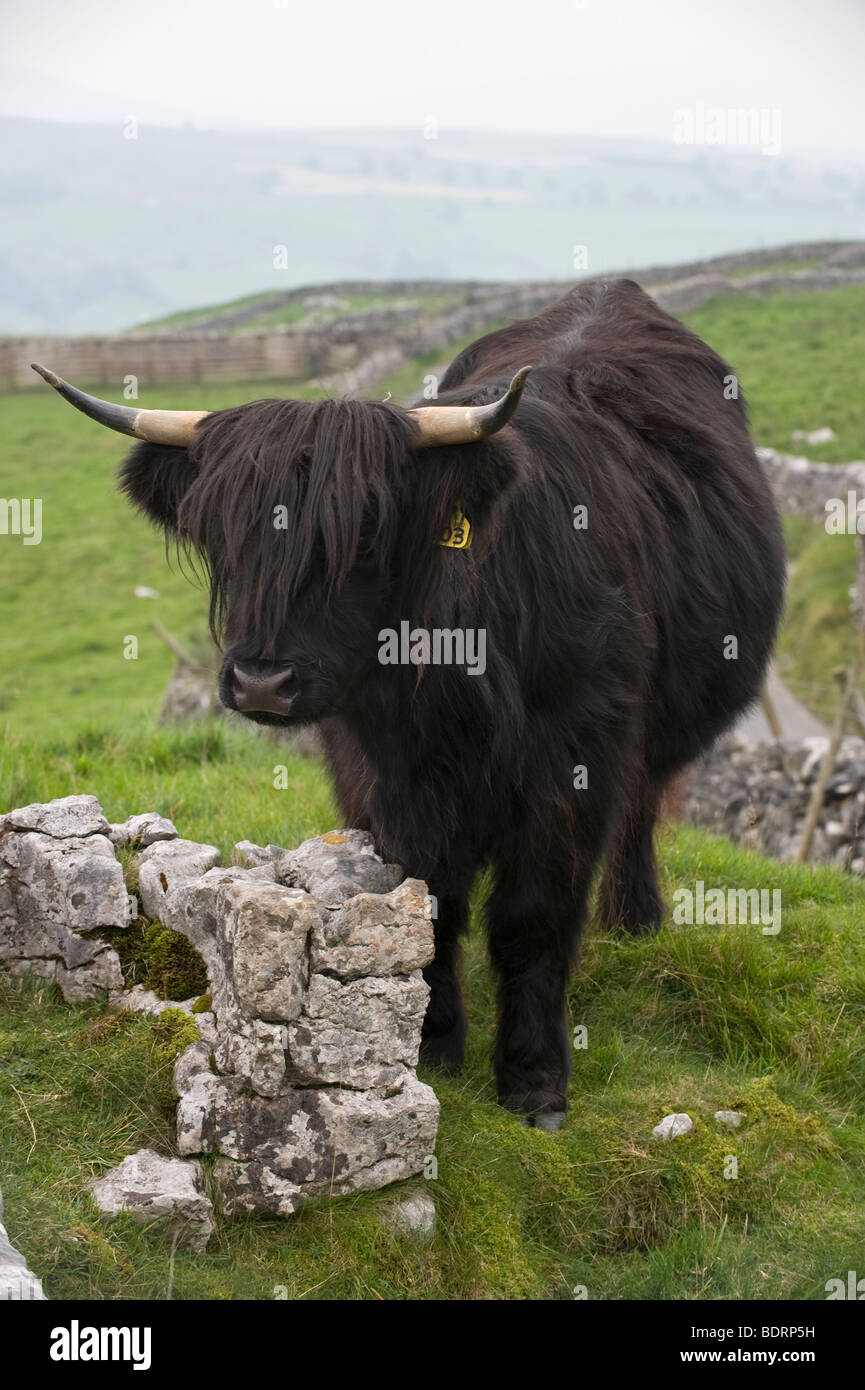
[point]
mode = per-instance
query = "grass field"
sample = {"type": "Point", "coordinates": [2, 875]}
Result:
{"type": "Point", "coordinates": [698, 1019]}
{"type": "Point", "coordinates": [799, 359]}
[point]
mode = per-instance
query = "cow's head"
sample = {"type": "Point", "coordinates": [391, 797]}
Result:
{"type": "Point", "coordinates": [317, 523]}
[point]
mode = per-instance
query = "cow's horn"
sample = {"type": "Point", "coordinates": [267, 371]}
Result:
{"type": "Point", "coordinates": [157, 426]}
{"type": "Point", "coordinates": [461, 424]}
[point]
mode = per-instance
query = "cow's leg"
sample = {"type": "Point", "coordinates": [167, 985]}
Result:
{"type": "Point", "coordinates": [444, 1027]}
{"type": "Point", "coordinates": [535, 915]}
{"type": "Point", "coordinates": [629, 897]}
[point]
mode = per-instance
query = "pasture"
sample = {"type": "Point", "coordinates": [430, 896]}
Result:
{"type": "Point", "coordinates": [697, 1019]}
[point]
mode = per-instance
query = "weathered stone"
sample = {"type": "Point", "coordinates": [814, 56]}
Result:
{"type": "Point", "coordinates": [17, 1282]}
{"type": "Point", "coordinates": [54, 888]}
{"type": "Point", "coordinates": [164, 866]}
{"type": "Point", "coordinates": [267, 928]}
{"type": "Point", "coordinates": [193, 1059]}
{"type": "Point", "coordinates": [63, 818]}
{"type": "Point", "coordinates": [730, 1119]}
{"type": "Point", "coordinates": [247, 855]}
{"type": "Point", "coordinates": [149, 828]}
{"type": "Point", "coordinates": [672, 1126]}
{"type": "Point", "coordinates": [413, 1218]}
{"type": "Point", "coordinates": [359, 1034]}
{"type": "Point", "coordinates": [151, 1189]}
{"type": "Point", "coordinates": [256, 1052]}
{"type": "Point", "coordinates": [324, 1141]}
{"type": "Point", "coordinates": [375, 934]}
{"type": "Point", "coordinates": [246, 1188]}
{"type": "Point", "coordinates": [302, 1082]}
{"type": "Point", "coordinates": [758, 795]}
{"type": "Point", "coordinates": [337, 866]}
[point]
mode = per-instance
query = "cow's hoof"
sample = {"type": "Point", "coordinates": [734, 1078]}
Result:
{"type": "Point", "coordinates": [538, 1109]}
{"type": "Point", "coordinates": [548, 1119]}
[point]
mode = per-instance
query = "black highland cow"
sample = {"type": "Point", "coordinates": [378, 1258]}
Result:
{"type": "Point", "coordinates": [607, 645]}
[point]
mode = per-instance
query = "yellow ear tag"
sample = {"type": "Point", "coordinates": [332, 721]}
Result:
{"type": "Point", "coordinates": [458, 535]}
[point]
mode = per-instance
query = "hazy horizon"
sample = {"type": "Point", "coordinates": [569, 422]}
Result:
{"type": "Point", "coordinates": [614, 68]}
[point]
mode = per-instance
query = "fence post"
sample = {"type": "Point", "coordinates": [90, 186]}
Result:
{"type": "Point", "coordinates": [847, 682]}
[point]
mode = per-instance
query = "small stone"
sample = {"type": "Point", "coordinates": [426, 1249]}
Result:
{"type": "Point", "coordinates": [149, 828]}
{"type": "Point", "coordinates": [17, 1282]}
{"type": "Point", "coordinates": [731, 1119]}
{"type": "Point", "coordinates": [151, 1188]}
{"type": "Point", "coordinates": [247, 855]}
{"type": "Point", "coordinates": [672, 1126]}
{"type": "Point", "coordinates": [413, 1217]}
{"type": "Point", "coordinates": [824, 435]}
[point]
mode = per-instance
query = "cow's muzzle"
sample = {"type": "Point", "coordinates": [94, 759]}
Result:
{"type": "Point", "coordinates": [264, 692]}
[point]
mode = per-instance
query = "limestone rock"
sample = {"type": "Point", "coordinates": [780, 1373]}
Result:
{"type": "Point", "coordinates": [375, 934]}
{"type": "Point", "coordinates": [62, 818]}
{"type": "Point", "coordinates": [267, 928]}
{"type": "Point", "coordinates": [246, 1188]}
{"type": "Point", "coordinates": [730, 1119]}
{"type": "Point", "coordinates": [148, 829]}
{"type": "Point", "coordinates": [166, 865]}
{"type": "Point", "coordinates": [324, 1141]}
{"type": "Point", "coordinates": [17, 1282]}
{"type": "Point", "coordinates": [413, 1218]}
{"type": "Point", "coordinates": [338, 866]}
{"type": "Point", "coordinates": [758, 795]}
{"type": "Point", "coordinates": [360, 1033]}
{"type": "Point", "coordinates": [151, 1188]}
{"type": "Point", "coordinates": [59, 879]}
{"type": "Point", "coordinates": [672, 1126]}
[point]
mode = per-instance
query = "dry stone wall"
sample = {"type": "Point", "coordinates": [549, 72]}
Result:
{"type": "Point", "coordinates": [303, 1081]}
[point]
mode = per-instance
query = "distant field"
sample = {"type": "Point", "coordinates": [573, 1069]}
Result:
{"type": "Point", "coordinates": [296, 311]}
{"type": "Point", "coordinates": [800, 359]}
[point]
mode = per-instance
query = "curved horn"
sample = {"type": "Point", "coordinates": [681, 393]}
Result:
{"type": "Point", "coordinates": [462, 424]}
{"type": "Point", "coordinates": [156, 426]}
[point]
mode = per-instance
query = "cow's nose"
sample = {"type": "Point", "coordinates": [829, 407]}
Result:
{"type": "Point", "coordinates": [272, 692]}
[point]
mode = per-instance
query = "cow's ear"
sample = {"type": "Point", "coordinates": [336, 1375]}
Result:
{"type": "Point", "coordinates": [479, 480]}
{"type": "Point", "coordinates": [155, 478]}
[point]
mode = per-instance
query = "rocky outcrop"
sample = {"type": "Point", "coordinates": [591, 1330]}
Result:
{"type": "Point", "coordinates": [303, 1081]}
{"type": "Point", "coordinates": [307, 1086]}
{"type": "Point", "coordinates": [804, 487]}
{"type": "Point", "coordinates": [757, 794]}
{"type": "Point", "coordinates": [59, 882]}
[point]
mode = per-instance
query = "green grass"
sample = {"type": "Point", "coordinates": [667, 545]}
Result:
{"type": "Point", "coordinates": [698, 1019]}
{"type": "Point", "coordinates": [296, 311]}
{"type": "Point", "coordinates": [775, 268]}
{"type": "Point", "coordinates": [820, 631]}
{"type": "Point", "coordinates": [798, 357]}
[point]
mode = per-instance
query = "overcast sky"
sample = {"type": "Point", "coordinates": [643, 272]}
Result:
{"type": "Point", "coordinates": [600, 67]}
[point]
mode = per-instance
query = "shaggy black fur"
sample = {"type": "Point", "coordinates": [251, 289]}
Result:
{"type": "Point", "coordinates": [607, 647]}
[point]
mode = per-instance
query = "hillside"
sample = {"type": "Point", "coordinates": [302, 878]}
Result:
{"type": "Point", "coordinates": [132, 229]}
